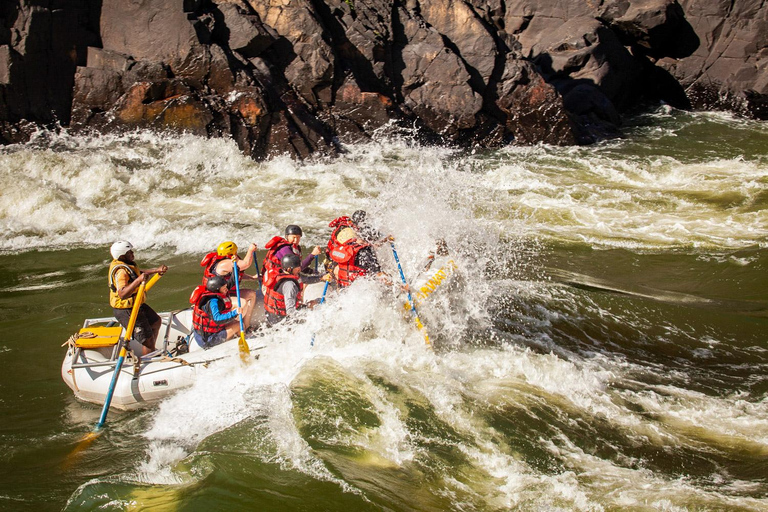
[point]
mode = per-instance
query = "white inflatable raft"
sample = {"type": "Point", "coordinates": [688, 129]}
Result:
{"type": "Point", "coordinates": [90, 361]}
{"type": "Point", "coordinates": [91, 356]}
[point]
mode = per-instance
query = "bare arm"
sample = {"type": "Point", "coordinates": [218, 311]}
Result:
{"type": "Point", "coordinates": [246, 262]}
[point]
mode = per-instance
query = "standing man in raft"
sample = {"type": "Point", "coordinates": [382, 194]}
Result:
{"type": "Point", "coordinates": [124, 280]}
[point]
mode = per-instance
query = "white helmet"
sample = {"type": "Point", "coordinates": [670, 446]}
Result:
{"type": "Point", "coordinates": [120, 248]}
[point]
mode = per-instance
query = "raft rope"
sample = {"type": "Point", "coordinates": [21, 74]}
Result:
{"type": "Point", "coordinates": [72, 340]}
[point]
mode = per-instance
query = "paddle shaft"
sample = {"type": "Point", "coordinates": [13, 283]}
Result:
{"type": "Point", "coordinates": [408, 291]}
{"type": "Point", "coordinates": [235, 270]}
{"type": "Point", "coordinates": [241, 345]}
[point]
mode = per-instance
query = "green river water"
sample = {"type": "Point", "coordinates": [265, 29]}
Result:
{"type": "Point", "coordinates": [607, 348]}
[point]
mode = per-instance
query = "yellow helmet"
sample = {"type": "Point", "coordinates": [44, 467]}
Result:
{"type": "Point", "coordinates": [226, 249]}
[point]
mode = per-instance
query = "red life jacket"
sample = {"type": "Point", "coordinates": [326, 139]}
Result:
{"type": "Point", "coordinates": [202, 321]}
{"type": "Point", "coordinates": [345, 255]}
{"type": "Point", "coordinates": [209, 263]}
{"type": "Point", "coordinates": [274, 302]}
{"type": "Point", "coordinates": [272, 265]}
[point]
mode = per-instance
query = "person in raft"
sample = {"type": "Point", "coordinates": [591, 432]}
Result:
{"type": "Point", "coordinates": [279, 247]}
{"type": "Point", "coordinates": [214, 318]}
{"type": "Point", "coordinates": [124, 279]}
{"type": "Point", "coordinates": [283, 298]}
{"type": "Point", "coordinates": [352, 257]}
{"type": "Point", "coordinates": [220, 263]}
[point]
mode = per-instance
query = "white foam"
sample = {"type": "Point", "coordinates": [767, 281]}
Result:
{"type": "Point", "coordinates": [184, 192]}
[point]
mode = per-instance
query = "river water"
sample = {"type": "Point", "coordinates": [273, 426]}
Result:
{"type": "Point", "coordinates": [604, 347]}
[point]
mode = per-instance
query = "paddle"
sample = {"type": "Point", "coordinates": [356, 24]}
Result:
{"type": "Point", "coordinates": [410, 299]}
{"type": "Point", "coordinates": [245, 353]}
{"type": "Point", "coordinates": [138, 301]}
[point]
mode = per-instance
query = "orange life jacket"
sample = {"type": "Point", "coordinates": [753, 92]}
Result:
{"type": "Point", "coordinates": [272, 265]}
{"type": "Point", "coordinates": [274, 301]}
{"type": "Point", "coordinates": [345, 255]}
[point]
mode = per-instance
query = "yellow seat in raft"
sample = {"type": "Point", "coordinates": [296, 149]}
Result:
{"type": "Point", "coordinates": [97, 336]}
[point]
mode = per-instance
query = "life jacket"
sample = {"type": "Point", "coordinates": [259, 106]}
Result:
{"type": "Point", "coordinates": [274, 301]}
{"type": "Point", "coordinates": [114, 299]}
{"type": "Point", "coordinates": [209, 263]}
{"type": "Point", "coordinates": [272, 265]}
{"type": "Point", "coordinates": [202, 321]}
{"type": "Point", "coordinates": [345, 254]}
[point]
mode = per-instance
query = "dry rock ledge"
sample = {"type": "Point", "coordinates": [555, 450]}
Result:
{"type": "Point", "coordinates": [304, 76]}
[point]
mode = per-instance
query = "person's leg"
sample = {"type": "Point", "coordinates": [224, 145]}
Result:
{"type": "Point", "coordinates": [248, 297]}
{"type": "Point", "coordinates": [143, 332]}
{"type": "Point", "coordinates": [136, 344]}
{"type": "Point", "coordinates": [232, 330]}
{"type": "Point", "coordinates": [155, 323]}
{"type": "Point", "coordinates": [211, 340]}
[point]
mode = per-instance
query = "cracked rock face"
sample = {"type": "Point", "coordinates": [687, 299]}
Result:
{"type": "Point", "coordinates": [302, 76]}
{"type": "Point", "coordinates": [728, 69]}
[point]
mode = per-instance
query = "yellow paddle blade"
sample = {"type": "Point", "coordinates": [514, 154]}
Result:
{"type": "Point", "coordinates": [84, 443]}
{"type": "Point", "coordinates": [245, 352]}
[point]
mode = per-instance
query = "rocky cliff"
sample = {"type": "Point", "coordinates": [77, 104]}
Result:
{"type": "Point", "coordinates": [303, 76]}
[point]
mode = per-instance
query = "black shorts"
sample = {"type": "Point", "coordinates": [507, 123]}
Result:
{"type": "Point", "coordinates": [142, 331]}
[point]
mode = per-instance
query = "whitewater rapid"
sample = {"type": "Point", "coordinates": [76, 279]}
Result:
{"type": "Point", "coordinates": [602, 347]}
{"type": "Point", "coordinates": [184, 192]}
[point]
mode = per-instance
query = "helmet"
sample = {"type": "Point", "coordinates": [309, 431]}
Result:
{"type": "Point", "coordinates": [293, 229]}
{"type": "Point", "coordinates": [214, 283]}
{"type": "Point", "coordinates": [358, 217]}
{"type": "Point", "coordinates": [290, 261]}
{"type": "Point", "coordinates": [226, 249]}
{"type": "Point", "coordinates": [345, 235]}
{"type": "Point", "coordinates": [120, 248]}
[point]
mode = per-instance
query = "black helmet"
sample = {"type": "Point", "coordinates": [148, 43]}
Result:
{"type": "Point", "coordinates": [215, 283]}
{"type": "Point", "coordinates": [293, 229]}
{"type": "Point", "coordinates": [359, 216]}
{"type": "Point", "coordinates": [290, 261]}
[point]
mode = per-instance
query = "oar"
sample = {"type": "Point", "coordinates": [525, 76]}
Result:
{"type": "Point", "coordinates": [245, 353]}
{"type": "Point", "coordinates": [410, 299]}
{"type": "Point", "coordinates": [322, 300]}
{"type": "Point", "coordinates": [137, 302]}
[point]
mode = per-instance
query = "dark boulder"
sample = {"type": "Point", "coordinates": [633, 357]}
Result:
{"type": "Point", "coordinates": [728, 69]}
{"type": "Point", "coordinates": [41, 43]}
{"type": "Point", "coordinates": [534, 110]}
{"type": "Point", "coordinates": [306, 59]}
{"type": "Point", "coordinates": [245, 33]}
{"type": "Point", "coordinates": [434, 83]}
